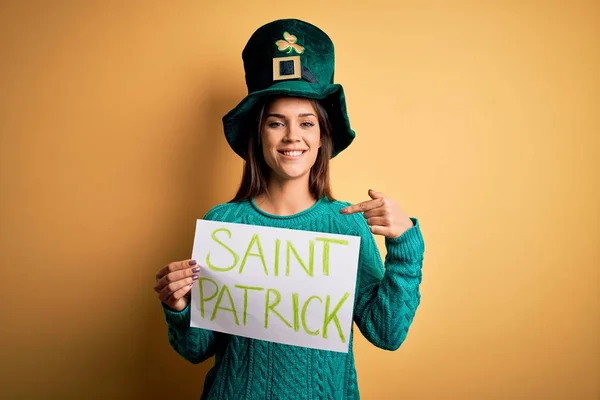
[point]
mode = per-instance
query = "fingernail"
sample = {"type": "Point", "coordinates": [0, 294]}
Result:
{"type": "Point", "coordinates": [192, 262]}
{"type": "Point", "coordinates": [194, 277]}
{"type": "Point", "coordinates": [343, 211]}
{"type": "Point", "coordinates": [197, 269]}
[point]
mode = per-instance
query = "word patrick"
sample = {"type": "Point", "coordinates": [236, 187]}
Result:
{"type": "Point", "coordinates": [272, 299]}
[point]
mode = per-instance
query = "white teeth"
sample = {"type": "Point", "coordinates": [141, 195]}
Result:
{"type": "Point", "coordinates": [292, 153]}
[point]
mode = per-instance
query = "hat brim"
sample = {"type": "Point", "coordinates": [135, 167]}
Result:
{"type": "Point", "coordinates": [240, 122]}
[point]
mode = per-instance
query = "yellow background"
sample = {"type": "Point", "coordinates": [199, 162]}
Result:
{"type": "Point", "coordinates": [481, 118]}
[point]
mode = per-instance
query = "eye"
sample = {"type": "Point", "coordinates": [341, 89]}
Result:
{"type": "Point", "coordinates": [308, 124]}
{"type": "Point", "coordinates": [275, 124]}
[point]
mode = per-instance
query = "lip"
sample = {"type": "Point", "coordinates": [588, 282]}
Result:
{"type": "Point", "coordinates": [289, 156]}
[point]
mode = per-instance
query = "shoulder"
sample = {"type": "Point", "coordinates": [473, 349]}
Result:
{"type": "Point", "coordinates": [355, 223]}
{"type": "Point", "coordinates": [222, 211]}
{"type": "Point", "coordinates": [337, 205]}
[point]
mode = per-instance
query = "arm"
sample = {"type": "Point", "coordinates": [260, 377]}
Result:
{"type": "Point", "coordinates": [387, 299]}
{"type": "Point", "coordinates": [193, 344]}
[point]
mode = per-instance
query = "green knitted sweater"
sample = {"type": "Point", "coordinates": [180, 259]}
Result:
{"type": "Point", "coordinates": [385, 304]}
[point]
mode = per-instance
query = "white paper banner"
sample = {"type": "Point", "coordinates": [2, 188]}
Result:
{"type": "Point", "coordinates": [280, 285]}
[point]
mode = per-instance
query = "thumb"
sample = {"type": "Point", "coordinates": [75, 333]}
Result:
{"type": "Point", "coordinates": [375, 195]}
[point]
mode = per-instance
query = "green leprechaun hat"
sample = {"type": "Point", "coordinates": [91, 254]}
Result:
{"type": "Point", "coordinates": [288, 57]}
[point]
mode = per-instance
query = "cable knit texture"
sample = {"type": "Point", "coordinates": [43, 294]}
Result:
{"type": "Point", "coordinates": [387, 297]}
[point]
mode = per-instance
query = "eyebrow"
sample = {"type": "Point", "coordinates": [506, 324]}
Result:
{"type": "Point", "coordinates": [283, 116]}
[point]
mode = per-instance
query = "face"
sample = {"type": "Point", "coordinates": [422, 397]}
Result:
{"type": "Point", "coordinates": [290, 137]}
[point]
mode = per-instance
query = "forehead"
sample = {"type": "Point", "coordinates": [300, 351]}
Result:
{"type": "Point", "coordinates": [291, 105]}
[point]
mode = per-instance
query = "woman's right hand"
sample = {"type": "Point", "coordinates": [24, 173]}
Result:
{"type": "Point", "coordinates": [174, 282]}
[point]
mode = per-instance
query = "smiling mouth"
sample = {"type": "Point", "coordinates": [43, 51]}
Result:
{"type": "Point", "coordinates": [293, 153]}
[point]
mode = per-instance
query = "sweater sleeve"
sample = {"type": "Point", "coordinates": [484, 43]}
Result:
{"type": "Point", "coordinates": [193, 344]}
{"type": "Point", "coordinates": [387, 298]}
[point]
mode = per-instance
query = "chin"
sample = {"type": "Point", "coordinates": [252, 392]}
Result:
{"type": "Point", "coordinates": [292, 175]}
{"type": "Point", "coordinates": [286, 170]}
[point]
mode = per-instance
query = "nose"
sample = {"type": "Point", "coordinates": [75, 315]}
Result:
{"type": "Point", "coordinates": [291, 135]}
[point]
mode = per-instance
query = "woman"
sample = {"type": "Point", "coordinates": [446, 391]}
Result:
{"type": "Point", "coordinates": [290, 125]}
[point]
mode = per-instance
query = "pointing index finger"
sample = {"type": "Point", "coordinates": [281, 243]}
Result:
{"type": "Point", "coordinates": [362, 207]}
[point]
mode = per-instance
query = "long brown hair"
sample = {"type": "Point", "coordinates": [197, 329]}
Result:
{"type": "Point", "coordinates": [256, 170]}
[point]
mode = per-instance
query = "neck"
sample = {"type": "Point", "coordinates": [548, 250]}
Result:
{"type": "Point", "coordinates": [286, 197]}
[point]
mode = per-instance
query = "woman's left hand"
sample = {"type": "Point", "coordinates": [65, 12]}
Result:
{"type": "Point", "coordinates": [383, 215]}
